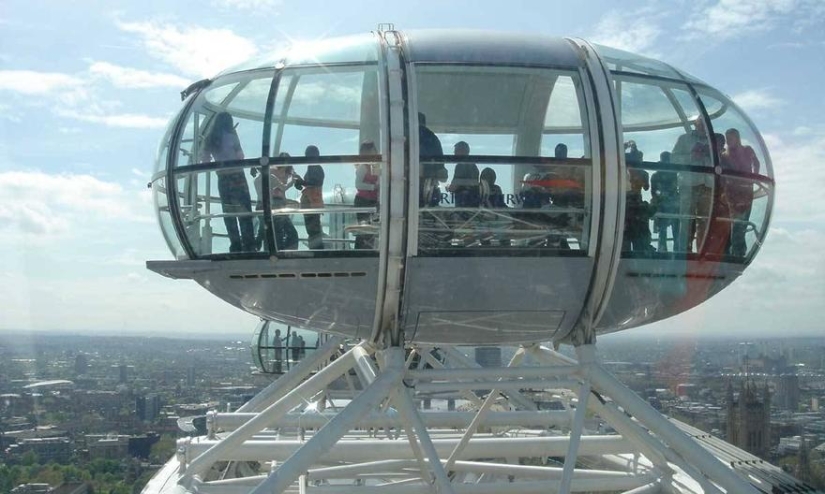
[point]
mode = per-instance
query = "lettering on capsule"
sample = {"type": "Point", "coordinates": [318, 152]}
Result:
{"type": "Point", "coordinates": [448, 198]}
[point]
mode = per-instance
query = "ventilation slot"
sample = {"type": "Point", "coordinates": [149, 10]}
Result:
{"type": "Point", "coordinates": [269, 276]}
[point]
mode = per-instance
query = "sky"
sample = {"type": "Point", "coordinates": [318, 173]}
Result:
{"type": "Point", "coordinates": [86, 89]}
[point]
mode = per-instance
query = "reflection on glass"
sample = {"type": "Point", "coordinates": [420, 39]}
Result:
{"type": "Point", "coordinates": [467, 208]}
{"type": "Point", "coordinates": [334, 109]}
{"type": "Point", "coordinates": [623, 61]}
{"type": "Point", "coordinates": [336, 223]}
{"type": "Point", "coordinates": [742, 207]}
{"type": "Point", "coordinates": [664, 200]}
{"type": "Point", "coordinates": [547, 212]}
{"type": "Point", "coordinates": [727, 221]}
{"type": "Point", "coordinates": [161, 200]}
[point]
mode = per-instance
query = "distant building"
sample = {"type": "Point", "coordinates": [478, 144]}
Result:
{"type": "Point", "coordinates": [787, 392]}
{"type": "Point", "coordinates": [190, 376]}
{"type": "Point", "coordinates": [141, 446]}
{"type": "Point", "coordinates": [73, 488]}
{"type": "Point", "coordinates": [147, 408]}
{"type": "Point", "coordinates": [749, 418]}
{"type": "Point", "coordinates": [47, 449]}
{"type": "Point", "coordinates": [81, 364]}
{"type": "Point", "coordinates": [31, 488]}
{"type": "Point", "coordinates": [123, 373]}
{"type": "Point", "coordinates": [107, 446]}
{"type": "Point", "coordinates": [686, 390]}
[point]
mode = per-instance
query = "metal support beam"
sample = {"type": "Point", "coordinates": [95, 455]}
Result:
{"type": "Point", "coordinates": [292, 399]}
{"type": "Point", "coordinates": [291, 379]}
{"type": "Point", "coordinates": [320, 443]}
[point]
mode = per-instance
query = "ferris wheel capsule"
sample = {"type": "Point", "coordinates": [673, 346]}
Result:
{"type": "Point", "coordinates": [461, 187]}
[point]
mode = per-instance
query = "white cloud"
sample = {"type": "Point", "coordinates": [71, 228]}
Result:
{"type": "Point", "coordinates": [635, 31]}
{"type": "Point", "coordinates": [756, 100]}
{"type": "Point", "coordinates": [195, 51]}
{"type": "Point", "coordinates": [735, 18]}
{"type": "Point", "coordinates": [76, 98]}
{"type": "Point", "coordinates": [799, 179]}
{"type": "Point", "coordinates": [780, 292]}
{"type": "Point", "coordinates": [123, 120]}
{"type": "Point", "coordinates": [254, 5]}
{"type": "Point", "coordinates": [37, 83]}
{"type": "Point", "coordinates": [125, 77]}
{"type": "Point", "coordinates": [41, 206]}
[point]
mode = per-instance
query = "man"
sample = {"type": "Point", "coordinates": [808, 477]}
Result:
{"type": "Point", "coordinates": [430, 174]}
{"type": "Point", "coordinates": [695, 188]}
{"type": "Point", "coordinates": [739, 191]}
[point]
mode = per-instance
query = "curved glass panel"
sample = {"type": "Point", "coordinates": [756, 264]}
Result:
{"type": "Point", "coordinates": [349, 49]}
{"type": "Point", "coordinates": [277, 348]}
{"type": "Point", "coordinates": [745, 199]}
{"type": "Point", "coordinates": [623, 61]}
{"type": "Point", "coordinates": [741, 216]}
{"type": "Point", "coordinates": [662, 214]}
{"type": "Point", "coordinates": [222, 211]}
{"type": "Point", "coordinates": [728, 121]}
{"type": "Point", "coordinates": [225, 123]}
{"type": "Point", "coordinates": [163, 147]}
{"type": "Point", "coordinates": [536, 197]}
{"type": "Point", "coordinates": [321, 113]}
{"type": "Point", "coordinates": [161, 200]}
{"type": "Point", "coordinates": [218, 213]}
{"type": "Point", "coordinates": [670, 183]}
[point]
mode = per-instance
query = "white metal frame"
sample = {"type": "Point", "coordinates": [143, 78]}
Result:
{"type": "Point", "coordinates": [290, 439]}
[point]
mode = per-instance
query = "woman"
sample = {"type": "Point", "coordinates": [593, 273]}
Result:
{"type": "Point", "coordinates": [491, 195]}
{"type": "Point", "coordinates": [366, 184]}
{"type": "Point", "coordinates": [222, 144]}
{"type": "Point", "coordinates": [281, 179]}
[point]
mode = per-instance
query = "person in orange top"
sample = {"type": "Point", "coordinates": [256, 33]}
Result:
{"type": "Point", "coordinates": [366, 184]}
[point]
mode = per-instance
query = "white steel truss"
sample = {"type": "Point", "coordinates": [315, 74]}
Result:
{"type": "Point", "coordinates": [355, 420]}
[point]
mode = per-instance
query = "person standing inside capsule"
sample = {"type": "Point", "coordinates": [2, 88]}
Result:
{"type": "Point", "coordinates": [222, 144]}
{"type": "Point", "coordinates": [740, 192]}
{"type": "Point", "coordinates": [366, 185]}
{"type": "Point", "coordinates": [430, 174]}
{"type": "Point", "coordinates": [464, 185]}
{"type": "Point", "coordinates": [312, 197]}
{"type": "Point", "coordinates": [281, 179]}
{"type": "Point", "coordinates": [665, 201]}
{"type": "Point", "coordinates": [693, 148]}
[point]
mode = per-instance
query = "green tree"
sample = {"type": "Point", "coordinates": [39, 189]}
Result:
{"type": "Point", "coordinates": [51, 474]}
{"type": "Point", "coordinates": [163, 449]}
{"type": "Point", "coordinates": [29, 458]}
{"type": "Point", "coordinates": [9, 477]}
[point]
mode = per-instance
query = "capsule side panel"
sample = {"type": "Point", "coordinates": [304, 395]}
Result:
{"type": "Point", "coordinates": [649, 290]}
{"type": "Point", "coordinates": [333, 295]}
{"type": "Point", "coordinates": [482, 301]}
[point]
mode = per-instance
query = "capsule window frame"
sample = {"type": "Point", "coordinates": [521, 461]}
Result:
{"type": "Point", "coordinates": [588, 162]}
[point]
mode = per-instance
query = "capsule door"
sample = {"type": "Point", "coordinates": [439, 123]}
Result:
{"type": "Point", "coordinates": [501, 203]}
